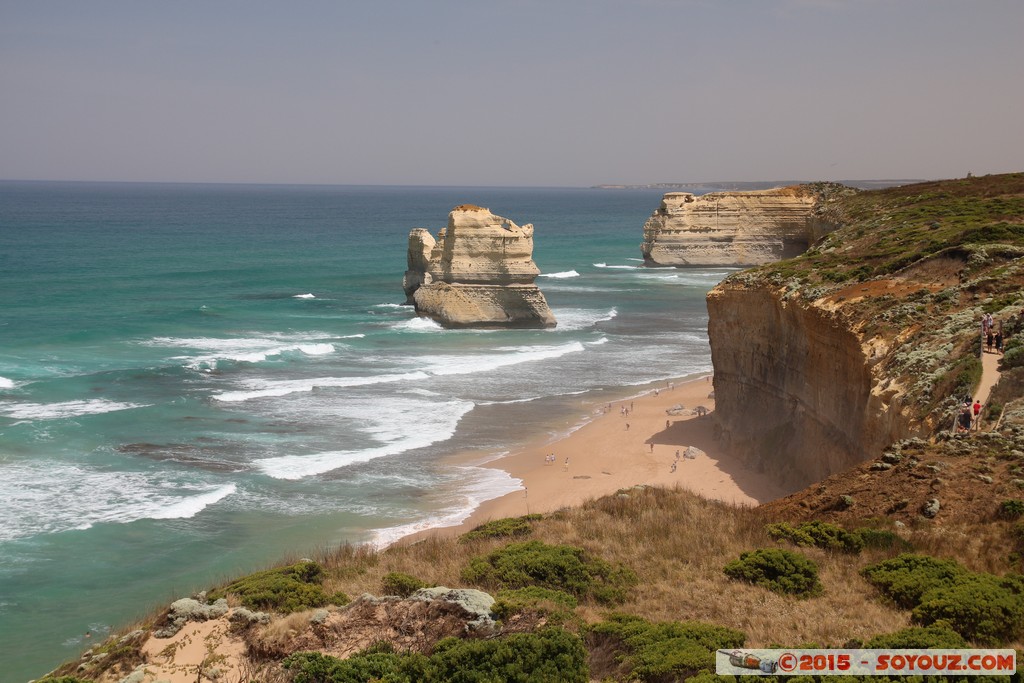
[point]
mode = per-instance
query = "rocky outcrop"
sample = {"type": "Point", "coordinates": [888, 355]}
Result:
{"type": "Point", "coordinates": [736, 228]}
{"type": "Point", "coordinates": [796, 390]}
{"type": "Point", "coordinates": [479, 271]}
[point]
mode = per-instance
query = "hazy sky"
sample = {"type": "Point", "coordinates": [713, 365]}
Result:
{"type": "Point", "coordinates": [509, 92]}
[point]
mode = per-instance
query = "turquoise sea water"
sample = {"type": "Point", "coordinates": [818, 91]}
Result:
{"type": "Point", "coordinates": [198, 379]}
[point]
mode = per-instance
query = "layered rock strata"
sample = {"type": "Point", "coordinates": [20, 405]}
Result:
{"type": "Point", "coordinates": [479, 271]}
{"type": "Point", "coordinates": [796, 391]}
{"type": "Point", "coordinates": [733, 228]}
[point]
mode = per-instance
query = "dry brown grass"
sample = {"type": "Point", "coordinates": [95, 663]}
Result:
{"type": "Point", "coordinates": [677, 543]}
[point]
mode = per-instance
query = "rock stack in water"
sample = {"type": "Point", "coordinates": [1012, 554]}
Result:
{"type": "Point", "coordinates": [479, 272]}
{"type": "Point", "coordinates": [733, 228]}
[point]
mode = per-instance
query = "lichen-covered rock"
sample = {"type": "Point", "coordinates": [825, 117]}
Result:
{"type": "Point", "coordinates": [188, 609]}
{"type": "Point", "coordinates": [931, 508]}
{"type": "Point", "coordinates": [478, 272]}
{"type": "Point", "coordinates": [732, 228]}
{"type": "Point", "coordinates": [474, 602]}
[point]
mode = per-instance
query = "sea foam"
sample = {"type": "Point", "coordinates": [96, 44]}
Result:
{"type": "Point", "coordinates": [564, 274]}
{"type": "Point", "coordinates": [426, 423]}
{"type": "Point", "coordinates": [480, 485]}
{"type": "Point", "coordinates": [64, 409]}
{"type": "Point", "coordinates": [6, 383]}
{"type": "Point", "coordinates": [270, 388]}
{"type": "Point", "coordinates": [42, 497]}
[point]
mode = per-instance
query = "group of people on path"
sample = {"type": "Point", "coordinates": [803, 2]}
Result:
{"type": "Point", "coordinates": [968, 416]}
{"type": "Point", "coordinates": [992, 334]}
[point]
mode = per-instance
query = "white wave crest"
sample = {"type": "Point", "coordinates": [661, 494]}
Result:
{"type": "Point", "coordinates": [64, 409]}
{"type": "Point", "coordinates": [484, 483]}
{"type": "Point", "coordinates": [570, 319]}
{"type": "Point", "coordinates": [599, 342]}
{"type": "Point", "coordinates": [270, 388]}
{"type": "Point", "coordinates": [390, 306]}
{"type": "Point", "coordinates": [565, 274]}
{"type": "Point", "coordinates": [418, 427]}
{"type": "Point", "coordinates": [214, 350]}
{"type": "Point", "coordinates": [506, 356]}
{"type": "Point", "coordinates": [6, 383]}
{"type": "Point", "coordinates": [304, 296]}
{"type": "Point", "coordinates": [49, 497]}
{"type": "Point", "coordinates": [417, 325]}
{"type": "Point", "coordinates": [605, 265]}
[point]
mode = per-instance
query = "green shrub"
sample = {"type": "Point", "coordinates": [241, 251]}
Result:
{"type": "Point", "coordinates": [558, 567]}
{"type": "Point", "coordinates": [557, 604]}
{"type": "Point", "coordinates": [981, 607]}
{"type": "Point", "coordinates": [882, 538]}
{"type": "Point", "coordinates": [777, 570]}
{"type": "Point", "coordinates": [370, 665]}
{"type": "Point", "coordinates": [509, 527]}
{"type": "Point", "coordinates": [402, 585]}
{"type": "Point", "coordinates": [908, 577]}
{"type": "Point", "coordinates": [551, 654]}
{"type": "Point", "coordinates": [817, 534]}
{"type": "Point", "coordinates": [665, 651]}
{"type": "Point", "coordinates": [918, 637]}
{"type": "Point", "coordinates": [1011, 509]}
{"type": "Point", "coordinates": [285, 589]}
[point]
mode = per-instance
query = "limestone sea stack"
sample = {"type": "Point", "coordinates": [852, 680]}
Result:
{"type": "Point", "coordinates": [736, 228]}
{"type": "Point", "coordinates": [478, 272]}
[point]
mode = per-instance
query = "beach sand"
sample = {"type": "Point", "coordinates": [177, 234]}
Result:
{"type": "Point", "coordinates": [615, 451]}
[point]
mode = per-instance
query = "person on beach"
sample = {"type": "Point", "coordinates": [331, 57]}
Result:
{"type": "Point", "coordinates": [566, 468]}
{"type": "Point", "coordinates": [652, 447]}
{"type": "Point", "coordinates": [627, 426]}
{"type": "Point", "coordinates": [667, 424]}
{"type": "Point", "coordinates": [677, 454]}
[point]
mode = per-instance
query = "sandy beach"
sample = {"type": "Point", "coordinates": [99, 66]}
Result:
{"type": "Point", "coordinates": [618, 449]}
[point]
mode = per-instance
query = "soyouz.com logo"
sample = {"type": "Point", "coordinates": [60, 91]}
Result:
{"type": "Point", "coordinates": [880, 662]}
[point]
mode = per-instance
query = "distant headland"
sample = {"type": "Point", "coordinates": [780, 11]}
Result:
{"type": "Point", "coordinates": [741, 186]}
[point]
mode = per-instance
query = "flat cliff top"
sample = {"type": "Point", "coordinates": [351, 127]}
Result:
{"type": "Point", "coordinates": [912, 270]}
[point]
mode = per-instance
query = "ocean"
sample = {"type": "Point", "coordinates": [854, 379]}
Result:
{"type": "Point", "coordinates": [197, 380]}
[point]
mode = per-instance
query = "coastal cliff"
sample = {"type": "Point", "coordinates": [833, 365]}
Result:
{"type": "Point", "coordinates": [872, 336]}
{"type": "Point", "coordinates": [479, 271]}
{"type": "Point", "coordinates": [737, 228]}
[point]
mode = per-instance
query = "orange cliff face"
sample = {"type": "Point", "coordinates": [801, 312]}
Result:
{"type": "Point", "coordinates": [797, 391]}
{"type": "Point", "coordinates": [478, 272]}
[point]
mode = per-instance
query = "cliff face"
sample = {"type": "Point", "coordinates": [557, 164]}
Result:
{"type": "Point", "coordinates": [478, 272]}
{"type": "Point", "coordinates": [733, 228]}
{"type": "Point", "coordinates": [795, 389]}
{"type": "Point", "coordinates": [872, 336]}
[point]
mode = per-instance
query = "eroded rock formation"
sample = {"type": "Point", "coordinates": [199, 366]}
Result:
{"type": "Point", "coordinates": [735, 228]}
{"type": "Point", "coordinates": [478, 272]}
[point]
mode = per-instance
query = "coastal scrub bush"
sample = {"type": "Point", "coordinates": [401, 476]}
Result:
{"type": "Point", "coordinates": [882, 538]}
{"type": "Point", "coordinates": [551, 654]}
{"type": "Point", "coordinates": [660, 651]}
{"type": "Point", "coordinates": [557, 605]}
{"type": "Point", "coordinates": [906, 578]}
{"type": "Point", "coordinates": [508, 527]}
{"type": "Point", "coordinates": [285, 589]}
{"type": "Point", "coordinates": [981, 607]}
{"type": "Point", "coordinates": [558, 567]}
{"type": "Point", "coordinates": [778, 570]}
{"type": "Point", "coordinates": [817, 534]}
{"type": "Point", "coordinates": [402, 585]}
{"type": "Point", "coordinates": [918, 637]}
{"type": "Point", "coordinates": [1011, 509]}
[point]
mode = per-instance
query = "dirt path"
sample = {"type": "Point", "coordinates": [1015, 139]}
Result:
{"type": "Point", "coordinates": [989, 376]}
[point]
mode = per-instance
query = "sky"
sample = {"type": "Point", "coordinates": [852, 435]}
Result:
{"type": "Point", "coordinates": [509, 92]}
